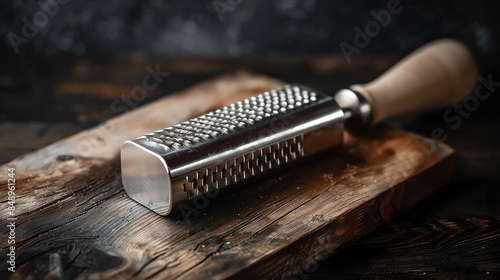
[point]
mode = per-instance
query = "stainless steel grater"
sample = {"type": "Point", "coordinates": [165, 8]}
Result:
{"type": "Point", "coordinates": [230, 145]}
{"type": "Point", "coordinates": [255, 136]}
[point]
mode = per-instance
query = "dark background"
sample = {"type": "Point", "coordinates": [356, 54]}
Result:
{"type": "Point", "coordinates": [91, 34]}
{"type": "Point", "coordinates": [90, 53]}
{"type": "Point", "coordinates": [276, 27]}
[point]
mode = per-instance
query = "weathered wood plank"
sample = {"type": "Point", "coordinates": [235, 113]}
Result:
{"type": "Point", "coordinates": [74, 220]}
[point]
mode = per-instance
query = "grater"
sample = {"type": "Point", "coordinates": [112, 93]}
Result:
{"type": "Point", "coordinates": [229, 145]}
{"type": "Point", "coordinates": [256, 136]}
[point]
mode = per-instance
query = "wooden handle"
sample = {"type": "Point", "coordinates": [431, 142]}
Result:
{"type": "Point", "coordinates": [436, 75]}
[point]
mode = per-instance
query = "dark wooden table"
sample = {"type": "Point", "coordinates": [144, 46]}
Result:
{"type": "Point", "coordinates": [454, 233]}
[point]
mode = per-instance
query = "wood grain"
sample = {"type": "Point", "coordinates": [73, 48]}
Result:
{"type": "Point", "coordinates": [74, 219]}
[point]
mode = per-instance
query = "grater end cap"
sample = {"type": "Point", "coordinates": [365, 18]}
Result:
{"type": "Point", "coordinates": [146, 177]}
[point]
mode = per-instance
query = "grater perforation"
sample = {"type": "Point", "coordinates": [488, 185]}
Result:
{"type": "Point", "coordinates": [242, 167]}
{"type": "Point", "coordinates": [232, 117]}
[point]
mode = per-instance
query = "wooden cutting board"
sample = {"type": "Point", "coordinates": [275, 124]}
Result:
{"type": "Point", "coordinates": [75, 220]}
